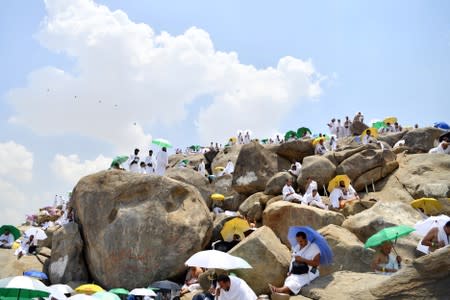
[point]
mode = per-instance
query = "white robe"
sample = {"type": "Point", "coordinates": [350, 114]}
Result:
{"type": "Point", "coordinates": [440, 150]}
{"type": "Point", "coordinates": [298, 168]}
{"type": "Point", "coordinates": [314, 200]}
{"type": "Point", "coordinates": [334, 197]}
{"type": "Point", "coordinates": [162, 160]}
{"type": "Point", "coordinates": [202, 168]}
{"type": "Point", "coordinates": [239, 290]}
{"type": "Point", "coordinates": [296, 282]}
{"type": "Point", "coordinates": [320, 149]}
{"type": "Point", "coordinates": [289, 194]}
{"type": "Point", "coordinates": [312, 186]}
{"type": "Point", "coordinates": [351, 193]}
{"type": "Point", "coordinates": [229, 169]}
{"type": "Point", "coordinates": [8, 238]}
{"type": "Point", "coordinates": [135, 166]}
{"type": "Point", "coordinates": [391, 264]}
{"type": "Point", "coordinates": [148, 161]}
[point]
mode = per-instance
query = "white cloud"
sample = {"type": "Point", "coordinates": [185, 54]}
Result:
{"type": "Point", "coordinates": [14, 204]}
{"type": "Point", "coordinates": [148, 78]}
{"type": "Point", "coordinates": [70, 168]}
{"type": "Point", "coordinates": [16, 162]}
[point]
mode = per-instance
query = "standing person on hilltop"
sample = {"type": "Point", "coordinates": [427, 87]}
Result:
{"type": "Point", "coordinates": [340, 131]}
{"type": "Point", "coordinates": [347, 125]}
{"type": "Point", "coordinates": [332, 126]}
{"type": "Point", "coordinates": [149, 163]}
{"type": "Point", "coordinates": [229, 169]}
{"type": "Point", "coordinates": [134, 161]}
{"type": "Point", "coordinates": [162, 161]}
{"type": "Point", "coordinates": [202, 167]}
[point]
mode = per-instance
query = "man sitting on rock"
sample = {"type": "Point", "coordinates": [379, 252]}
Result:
{"type": "Point", "coordinates": [443, 148]}
{"type": "Point", "coordinates": [368, 138]}
{"type": "Point", "coordinates": [437, 237]}
{"type": "Point", "coordinates": [233, 288]}
{"type": "Point", "coordinates": [320, 148]}
{"type": "Point", "coordinates": [296, 167]}
{"type": "Point", "coordinates": [314, 199]}
{"type": "Point", "coordinates": [337, 197]}
{"type": "Point", "coordinates": [6, 240]}
{"type": "Point", "coordinates": [384, 261]}
{"type": "Point", "coordinates": [350, 193]}
{"type": "Point", "coordinates": [310, 185]}
{"type": "Point", "coordinates": [289, 193]}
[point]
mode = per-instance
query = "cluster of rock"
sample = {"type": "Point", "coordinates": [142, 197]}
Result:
{"type": "Point", "coordinates": [133, 229]}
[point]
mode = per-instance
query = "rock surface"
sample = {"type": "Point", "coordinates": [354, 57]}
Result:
{"type": "Point", "coordinates": [358, 127]}
{"type": "Point", "coordinates": [252, 207]}
{"type": "Point", "coordinates": [11, 266]}
{"type": "Point", "coordinates": [319, 168]}
{"type": "Point", "coordinates": [229, 153]}
{"type": "Point", "coordinates": [422, 139]}
{"type": "Point", "coordinates": [275, 184]}
{"type": "Point", "coordinates": [295, 150]}
{"type": "Point", "coordinates": [150, 214]}
{"type": "Point", "coordinates": [269, 258]}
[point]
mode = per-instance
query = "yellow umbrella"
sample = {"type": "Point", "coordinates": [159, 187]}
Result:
{"type": "Point", "coordinates": [429, 205]}
{"type": "Point", "coordinates": [219, 168]}
{"type": "Point", "coordinates": [390, 120]}
{"type": "Point", "coordinates": [234, 226]}
{"type": "Point", "coordinates": [317, 140]}
{"type": "Point", "coordinates": [373, 132]}
{"type": "Point", "coordinates": [217, 197]}
{"type": "Point", "coordinates": [233, 139]}
{"type": "Point", "coordinates": [336, 180]}
{"type": "Point", "coordinates": [89, 289]}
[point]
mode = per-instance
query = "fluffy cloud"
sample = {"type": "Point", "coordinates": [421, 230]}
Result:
{"type": "Point", "coordinates": [71, 168]}
{"type": "Point", "coordinates": [16, 162]}
{"type": "Point", "coordinates": [15, 204]}
{"type": "Point", "coordinates": [127, 78]}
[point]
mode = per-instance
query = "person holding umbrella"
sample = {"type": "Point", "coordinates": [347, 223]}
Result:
{"type": "Point", "coordinates": [384, 261]}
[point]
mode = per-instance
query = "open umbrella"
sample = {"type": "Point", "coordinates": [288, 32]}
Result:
{"type": "Point", "coordinates": [264, 141]}
{"type": "Point", "coordinates": [119, 160]}
{"type": "Point", "coordinates": [38, 233]}
{"type": "Point", "coordinates": [214, 259]}
{"type": "Point", "coordinates": [424, 226]}
{"type": "Point", "coordinates": [162, 143]}
{"type": "Point", "coordinates": [165, 285]}
{"type": "Point", "coordinates": [12, 229]}
{"type": "Point", "coordinates": [119, 291]}
{"type": "Point", "coordinates": [289, 134]}
{"type": "Point", "coordinates": [81, 297]}
{"type": "Point", "coordinates": [326, 254]}
{"type": "Point", "coordinates": [219, 169]}
{"type": "Point", "coordinates": [301, 131]}
{"type": "Point", "coordinates": [441, 125]}
{"type": "Point", "coordinates": [105, 296]}
{"type": "Point", "coordinates": [317, 140]}
{"type": "Point", "coordinates": [429, 205]}
{"type": "Point", "coordinates": [89, 289]}
{"type": "Point", "coordinates": [336, 180]}
{"type": "Point", "coordinates": [61, 288]}
{"type": "Point", "coordinates": [233, 139]}
{"type": "Point", "coordinates": [217, 197]}
{"type": "Point", "coordinates": [36, 274]}
{"type": "Point", "coordinates": [195, 147]}
{"type": "Point", "coordinates": [388, 234]}
{"type": "Point", "coordinates": [390, 120]}
{"type": "Point", "coordinates": [143, 292]}
{"type": "Point", "coordinates": [379, 124]}
{"type": "Point", "coordinates": [373, 132]}
{"type": "Point", "coordinates": [22, 287]}
{"type": "Point", "coordinates": [234, 226]}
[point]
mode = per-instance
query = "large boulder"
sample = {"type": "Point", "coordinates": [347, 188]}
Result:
{"type": "Point", "coordinates": [280, 215]}
{"type": "Point", "coordinates": [427, 278]}
{"type": "Point", "coordinates": [356, 128]}
{"type": "Point", "coordinates": [295, 150]}
{"type": "Point", "coordinates": [425, 175]}
{"type": "Point", "coordinates": [194, 160]}
{"type": "Point", "coordinates": [228, 153]}
{"type": "Point", "coordinates": [275, 184]}
{"type": "Point", "coordinates": [48, 241]}
{"type": "Point", "coordinates": [252, 207]}
{"type": "Point", "coordinates": [67, 261]}
{"type": "Point", "coordinates": [139, 229]}
{"type": "Point", "coordinates": [193, 178]}
{"type": "Point", "coordinates": [391, 138]}
{"type": "Point", "coordinates": [269, 258]}
{"type": "Point", "coordinates": [319, 168]}
{"type": "Point", "coordinates": [374, 175]}
{"type": "Point", "coordinates": [223, 185]}
{"type": "Point", "coordinates": [219, 222]}
{"type": "Point", "coordinates": [254, 167]}
{"type": "Point", "coordinates": [342, 155]}
{"type": "Point", "coordinates": [422, 140]}
{"type": "Point", "coordinates": [349, 252]}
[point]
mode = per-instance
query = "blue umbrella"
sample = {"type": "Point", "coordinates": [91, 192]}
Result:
{"type": "Point", "coordinates": [36, 274]}
{"type": "Point", "coordinates": [441, 125]}
{"type": "Point", "coordinates": [326, 254]}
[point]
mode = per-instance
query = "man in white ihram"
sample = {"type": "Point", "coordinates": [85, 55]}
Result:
{"type": "Point", "coordinates": [233, 288]}
{"type": "Point", "coordinates": [289, 193]}
{"type": "Point", "coordinates": [202, 168]}
{"type": "Point", "coordinates": [162, 160]}
{"type": "Point", "coordinates": [149, 163]}
{"type": "Point", "coordinates": [6, 240]}
{"type": "Point", "coordinates": [229, 169]}
{"type": "Point", "coordinates": [134, 162]}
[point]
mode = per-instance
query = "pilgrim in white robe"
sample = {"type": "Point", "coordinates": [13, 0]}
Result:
{"type": "Point", "coordinates": [441, 237]}
{"type": "Point", "coordinates": [239, 290]}
{"type": "Point", "coordinates": [289, 194]}
{"type": "Point", "coordinates": [202, 168]}
{"type": "Point", "coordinates": [335, 196]}
{"type": "Point", "coordinates": [149, 165]}
{"type": "Point", "coordinates": [311, 186]}
{"type": "Point", "coordinates": [162, 160]}
{"type": "Point", "coordinates": [296, 171]}
{"type": "Point", "coordinates": [229, 169]}
{"type": "Point", "coordinates": [134, 163]}
{"type": "Point", "coordinates": [320, 149]}
{"type": "Point", "coordinates": [6, 241]}
{"type": "Point", "coordinates": [315, 201]}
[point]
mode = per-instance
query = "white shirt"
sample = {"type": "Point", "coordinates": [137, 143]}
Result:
{"type": "Point", "coordinates": [334, 197]}
{"type": "Point", "coordinates": [310, 198]}
{"type": "Point", "coordinates": [287, 190]}
{"type": "Point", "coordinates": [239, 290]}
{"type": "Point", "coordinates": [312, 186]}
{"type": "Point", "coordinates": [202, 168]}
{"type": "Point", "coordinates": [8, 238]}
{"type": "Point", "coordinates": [320, 149]}
{"type": "Point", "coordinates": [229, 168]}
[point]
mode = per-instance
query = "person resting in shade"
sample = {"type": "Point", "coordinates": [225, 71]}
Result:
{"type": "Point", "coordinates": [384, 261]}
{"type": "Point", "coordinates": [6, 240]}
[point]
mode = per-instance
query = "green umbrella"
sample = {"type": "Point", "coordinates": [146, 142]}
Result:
{"type": "Point", "coordinates": [106, 296]}
{"type": "Point", "coordinates": [185, 161]}
{"type": "Point", "coordinates": [162, 143]}
{"type": "Point", "coordinates": [119, 291]}
{"type": "Point", "coordinates": [195, 147]}
{"type": "Point", "coordinates": [22, 287]}
{"type": "Point", "coordinates": [289, 134]}
{"type": "Point", "coordinates": [264, 141]}
{"type": "Point", "coordinates": [119, 160]}
{"type": "Point", "coordinates": [301, 131]}
{"type": "Point", "coordinates": [379, 124]}
{"type": "Point", "coordinates": [388, 234]}
{"type": "Point", "coordinates": [14, 231]}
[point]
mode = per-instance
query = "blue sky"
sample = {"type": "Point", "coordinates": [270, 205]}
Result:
{"type": "Point", "coordinates": [382, 58]}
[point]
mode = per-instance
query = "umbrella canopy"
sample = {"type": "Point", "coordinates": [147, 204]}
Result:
{"type": "Point", "coordinates": [301, 131]}
{"type": "Point", "coordinates": [38, 233]}
{"type": "Point", "coordinates": [57, 295]}
{"type": "Point", "coordinates": [165, 285]}
{"type": "Point", "coordinates": [12, 229]}
{"type": "Point", "coordinates": [441, 125]}
{"type": "Point", "coordinates": [119, 160]}
{"type": "Point", "coordinates": [36, 274]}
{"type": "Point", "coordinates": [424, 226]}
{"type": "Point", "coordinates": [429, 205]}
{"type": "Point", "coordinates": [233, 139]}
{"type": "Point", "coordinates": [162, 143]}
{"type": "Point", "coordinates": [289, 134]}
{"type": "Point", "coordinates": [326, 254]}
{"type": "Point", "coordinates": [61, 288]}
{"type": "Point", "coordinates": [81, 297]}
{"type": "Point", "coordinates": [336, 180]}
{"type": "Point", "coordinates": [195, 147]}
{"type": "Point", "coordinates": [445, 135]}
{"type": "Point", "coordinates": [217, 197]}
{"type": "Point", "coordinates": [119, 291]}
{"type": "Point", "coordinates": [379, 124]}
{"type": "Point", "coordinates": [106, 296]}
{"type": "Point", "coordinates": [213, 259]}
{"type": "Point", "coordinates": [22, 287]}
{"type": "Point", "coordinates": [317, 140]}
{"type": "Point", "coordinates": [219, 169]}
{"type": "Point", "coordinates": [388, 234]}
{"type": "Point", "coordinates": [143, 292]}
{"type": "Point", "coordinates": [390, 120]}
{"type": "Point", "coordinates": [264, 141]}
{"type": "Point", "coordinates": [373, 132]}
{"type": "Point", "coordinates": [89, 289]}
{"type": "Point", "coordinates": [234, 226]}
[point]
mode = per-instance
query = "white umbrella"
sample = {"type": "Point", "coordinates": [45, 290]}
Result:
{"type": "Point", "coordinates": [213, 259]}
{"type": "Point", "coordinates": [81, 297]}
{"type": "Point", "coordinates": [38, 233]}
{"type": "Point", "coordinates": [143, 292]}
{"type": "Point", "coordinates": [23, 285]}
{"type": "Point", "coordinates": [57, 295]}
{"type": "Point", "coordinates": [423, 227]}
{"type": "Point", "coordinates": [61, 288]}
